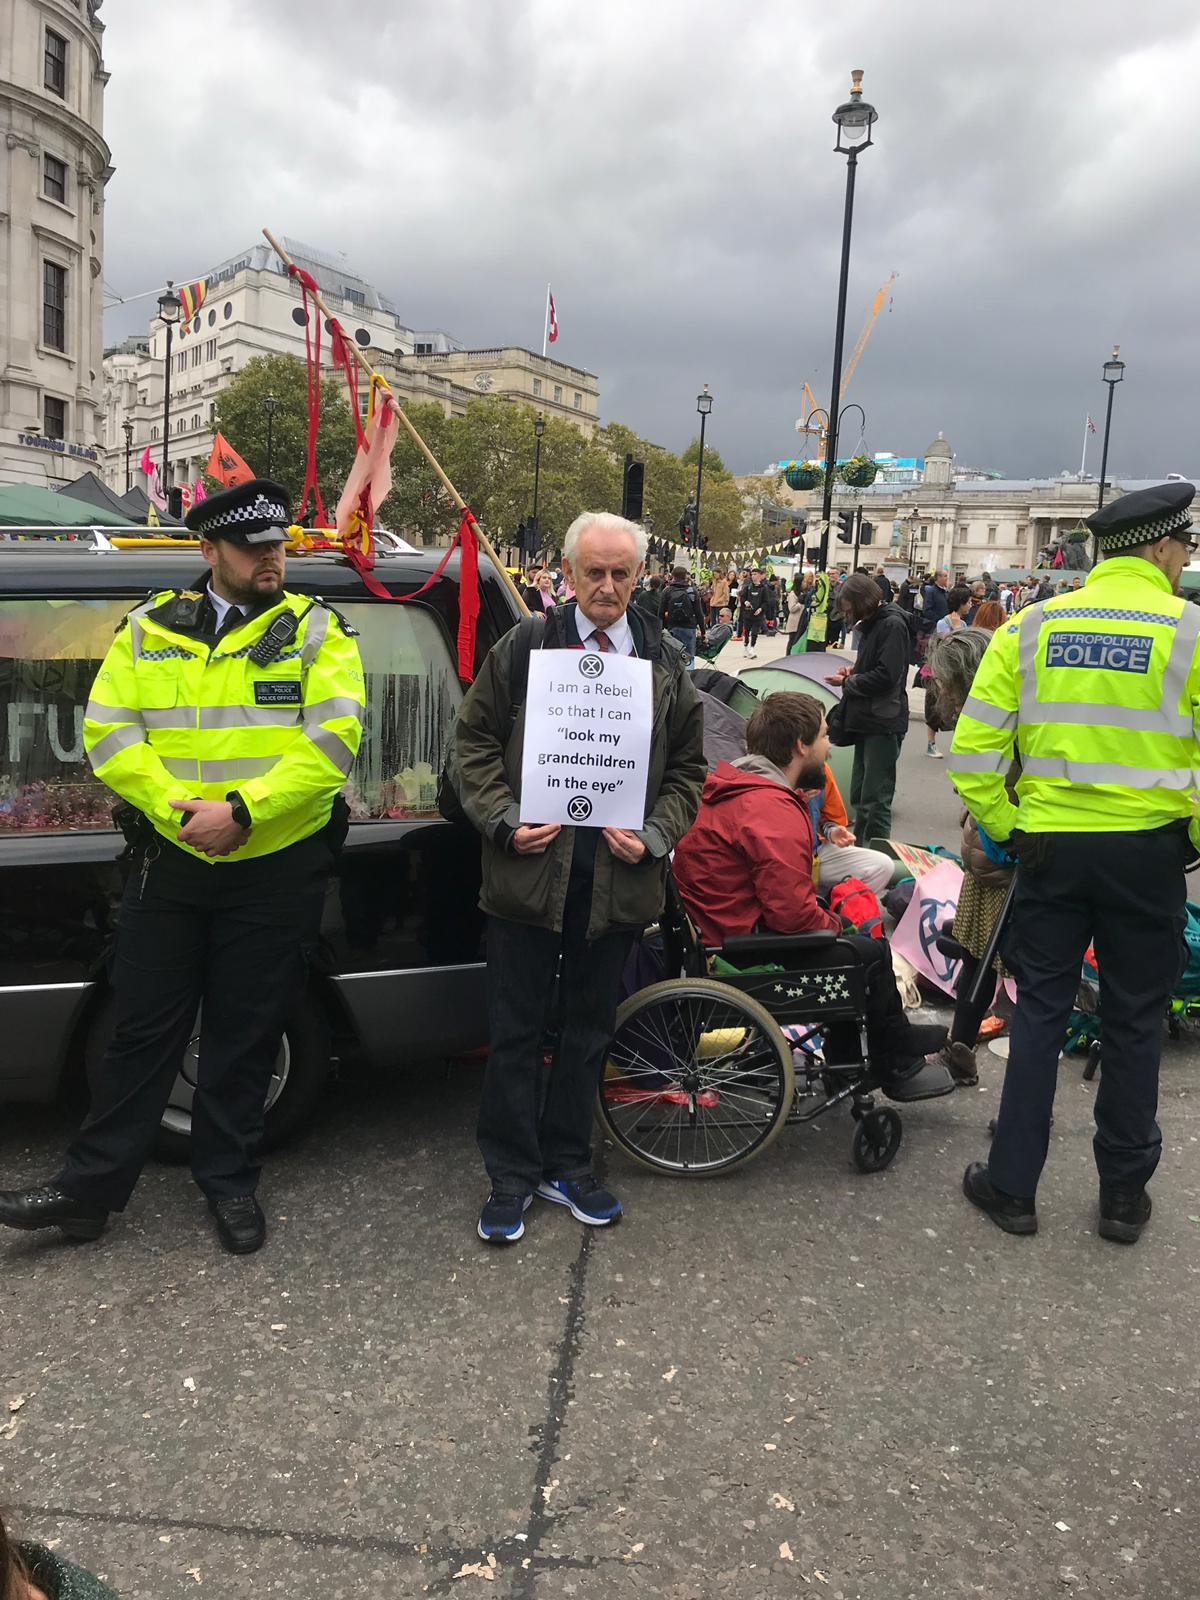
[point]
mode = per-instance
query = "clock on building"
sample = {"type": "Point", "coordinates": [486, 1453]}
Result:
{"type": "Point", "coordinates": [483, 381]}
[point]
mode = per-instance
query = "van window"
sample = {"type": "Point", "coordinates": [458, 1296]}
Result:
{"type": "Point", "coordinates": [51, 650]}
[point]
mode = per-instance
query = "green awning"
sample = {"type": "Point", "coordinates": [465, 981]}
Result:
{"type": "Point", "coordinates": [25, 506]}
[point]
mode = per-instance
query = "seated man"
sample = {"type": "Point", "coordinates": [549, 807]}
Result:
{"type": "Point", "coordinates": [745, 866]}
{"type": "Point", "coordinates": [838, 855]}
{"type": "Point", "coordinates": [720, 633]}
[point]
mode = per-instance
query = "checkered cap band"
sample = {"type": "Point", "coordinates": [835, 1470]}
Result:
{"type": "Point", "coordinates": [1146, 532]}
{"type": "Point", "coordinates": [263, 512]}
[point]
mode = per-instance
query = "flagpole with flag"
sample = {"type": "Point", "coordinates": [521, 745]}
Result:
{"type": "Point", "coordinates": [550, 326]}
{"type": "Point", "coordinates": [546, 321]}
{"type": "Point", "coordinates": [1088, 427]}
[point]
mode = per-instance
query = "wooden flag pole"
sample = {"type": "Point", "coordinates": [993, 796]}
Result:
{"type": "Point", "coordinates": [485, 543]}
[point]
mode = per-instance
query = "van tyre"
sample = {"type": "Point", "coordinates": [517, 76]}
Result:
{"type": "Point", "coordinates": [302, 1071]}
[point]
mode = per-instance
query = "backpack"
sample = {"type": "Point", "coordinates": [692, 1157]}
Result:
{"type": "Point", "coordinates": [853, 900]}
{"type": "Point", "coordinates": [448, 802]}
{"type": "Point", "coordinates": [681, 607]}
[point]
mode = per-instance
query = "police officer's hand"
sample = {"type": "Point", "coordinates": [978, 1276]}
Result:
{"type": "Point", "coordinates": [211, 829]}
{"type": "Point", "coordinates": [531, 839]}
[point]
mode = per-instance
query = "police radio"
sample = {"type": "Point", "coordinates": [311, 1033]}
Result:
{"type": "Point", "coordinates": [278, 636]}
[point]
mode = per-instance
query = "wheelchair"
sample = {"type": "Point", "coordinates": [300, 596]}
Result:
{"type": "Point", "coordinates": [701, 1077]}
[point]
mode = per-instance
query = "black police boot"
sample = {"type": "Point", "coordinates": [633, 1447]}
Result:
{"type": "Point", "coordinates": [47, 1207]}
{"type": "Point", "coordinates": [1007, 1211]}
{"type": "Point", "coordinates": [241, 1226]}
{"type": "Point", "coordinates": [1123, 1214]}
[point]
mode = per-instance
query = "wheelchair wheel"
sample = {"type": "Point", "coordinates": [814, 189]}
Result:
{"type": "Point", "coordinates": [876, 1139]}
{"type": "Point", "coordinates": [699, 1078]}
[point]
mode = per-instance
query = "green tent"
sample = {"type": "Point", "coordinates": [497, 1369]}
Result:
{"type": "Point", "coordinates": [23, 506]}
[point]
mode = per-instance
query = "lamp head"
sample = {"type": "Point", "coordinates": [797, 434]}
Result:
{"type": "Point", "coordinates": [539, 426]}
{"type": "Point", "coordinates": [127, 430]}
{"type": "Point", "coordinates": [270, 402]}
{"type": "Point", "coordinates": [1114, 367]}
{"type": "Point", "coordinates": [704, 402]}
{"type": "Point", "coordinates": [169, 304]}
{"type": "Point", "coordinates": [854, 118]}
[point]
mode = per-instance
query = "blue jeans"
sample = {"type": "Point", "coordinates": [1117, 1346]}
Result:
{"type": "Point", "coordinates": [687, 638]}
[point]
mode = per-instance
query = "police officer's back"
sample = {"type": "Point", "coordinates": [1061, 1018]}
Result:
{"type": "Point", "coordinates": [226, 718]}
{"type": "Point", "coordinates": [1100, 689]}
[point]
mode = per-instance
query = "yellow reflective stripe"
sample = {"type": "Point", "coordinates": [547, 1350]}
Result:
{"type": "Point", "coordinates": [223, 771]}
{"type": "Point", "coordinates": [981, 761]}
{"type": "Point", "coordinates": [339, 705]}
{"type": "Point", "coordinates": [97, 711]}
{"type": "Point", "coordinates": [332, 745]}
{"type": "Point", "coordinates": [1107, 772]}
{"type": "Point", "coordinates": [113, 743]}
{"type": "Point", "coordinates": [991, 716]}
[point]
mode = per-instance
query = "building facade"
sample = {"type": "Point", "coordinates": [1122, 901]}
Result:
{"type": "Point", "coordinates": [253, 307]}
{"type": "Point", "coordinates": [53, 169]}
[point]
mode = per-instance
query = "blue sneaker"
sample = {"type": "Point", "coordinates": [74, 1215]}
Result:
{"type": "Point", "coordinates": [502, 1220]}
{"type": "Point", "coordinates": [586, 1200]}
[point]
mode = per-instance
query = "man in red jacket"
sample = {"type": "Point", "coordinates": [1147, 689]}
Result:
{"type": "Point", "coordinates": [746, 865]}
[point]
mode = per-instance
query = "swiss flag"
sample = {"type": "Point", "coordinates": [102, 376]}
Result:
{"type": "Point", "coordinates": [552, 335]}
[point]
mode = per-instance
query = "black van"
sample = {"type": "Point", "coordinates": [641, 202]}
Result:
{"type": "Point", "coordinates": [401, 973]}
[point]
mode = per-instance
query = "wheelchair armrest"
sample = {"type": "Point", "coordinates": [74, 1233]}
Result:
{"type": "Point", "coordinates": [763, 944]}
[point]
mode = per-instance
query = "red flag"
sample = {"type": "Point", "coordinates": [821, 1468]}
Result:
{"type": "Point", "coordinates": [552, 334]}
{"type": "Point", "coordinates": [226, 465]}
{"type": "Point", "coordinates": [1091, 424]}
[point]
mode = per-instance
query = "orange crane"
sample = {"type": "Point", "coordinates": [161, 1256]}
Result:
{"type": "Point", "coordinates": [811, 408]}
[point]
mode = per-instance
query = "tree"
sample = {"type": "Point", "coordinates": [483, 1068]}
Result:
{"type": "Point", "coordinates": [714, 467]}
{"type": "Point", "coordinates": [241, 415]}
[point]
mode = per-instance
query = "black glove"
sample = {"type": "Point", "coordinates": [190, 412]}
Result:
{"type": "Point", "coordinates": [1034, 851]}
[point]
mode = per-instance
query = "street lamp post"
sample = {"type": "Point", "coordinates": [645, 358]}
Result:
{"type": "Point", "coordinates": [539, 428]}
{"type": "Point", "coordinates": [1114, 371]}
{"type": "Point", "coordinates": [169, 307]}
{"type": "Point", "coordinates": [127, 430]}
{"type": "Point", "coordinates": [703, 406]}
{"type": "Point", "coordinates": [854, 120]}
{"type": "Point", "coordinates": [270, 403]}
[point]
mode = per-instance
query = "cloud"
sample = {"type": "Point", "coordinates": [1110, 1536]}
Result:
{"type": "Point", "coordinates": [670, 169]}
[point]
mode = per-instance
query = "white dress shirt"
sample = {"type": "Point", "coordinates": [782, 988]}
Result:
{"type": "Point", "coordinates": [618, 633]}
{"type": "Point", "coordinates": [222, 606]}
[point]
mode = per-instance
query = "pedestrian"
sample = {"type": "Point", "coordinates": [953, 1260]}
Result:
{"type": "Point", "coordinates": [989, 616]}
{"type": "Point", "coordinates": [885, 584]}
{"type": "Point", "coordinates": [683, 613]}
{"type": "Point", "coordinates": [540, 596]}
{"type": "Point", "coordinates": [979, 594]}
{"type": "Point", "coordinates": [32, 1571]}
{"type": "Point", "coordinates": [906, 597]}
{"type": "Point", "coordinates": [1100, 696]}
{"type": "Point", "coordinates": [799, 610]}
{"type": "Point", "coordinates": [958, 603]}
{"type": "Point", "coordinates": [566, 900]}
{"type": "Point", "coordinates": [874, 709]}
{"type": "Point", "coordinates": [719, 635]}
{"type": "Point", "coordinates": [234, 681]}
{"type": "Point", "coordinates": [755, 600]}
{"type": "Point", "coordinates": [649, 597]}
{"type": "Point", "coordinates": [719, 593]}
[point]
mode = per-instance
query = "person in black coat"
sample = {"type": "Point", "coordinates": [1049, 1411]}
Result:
{"type": "Point", "coordinates": [874, 709]}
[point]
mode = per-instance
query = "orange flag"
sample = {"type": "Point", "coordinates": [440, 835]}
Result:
{"type": "Point", "coordinates": [226, 465]}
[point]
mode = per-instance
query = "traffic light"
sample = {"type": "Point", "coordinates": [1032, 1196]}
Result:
{"type": "Point", "coordinates": [175, 502]}
{"type": "Point", "coordinates": [687, 523]}
{"type": "Point", "coordinates": [866, 532]}
{"type": "Point", "coordinates": [845, 521]}
{"type": "Point", "coordinates": [631, 494]}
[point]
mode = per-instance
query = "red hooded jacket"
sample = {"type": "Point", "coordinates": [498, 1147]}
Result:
{"type": "Point", "coordinates": [745, 865]}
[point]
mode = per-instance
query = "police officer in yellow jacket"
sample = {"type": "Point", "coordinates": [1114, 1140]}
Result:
{"type": "Point", "coordinates": [226, 719]}
{"type": "Point", "coordinates": [1100, 690]}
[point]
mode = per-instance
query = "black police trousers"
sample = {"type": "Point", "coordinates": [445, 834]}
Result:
{"type": "Point", "coordinates": [1123, 893]}
{"type": "Point", "coordinates": [536, 1121]}
{"type": "Point", "coordinates": [234, 936]}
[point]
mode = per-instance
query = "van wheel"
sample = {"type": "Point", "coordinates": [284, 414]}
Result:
{"type": "Point", "coordinates": [301, 1071]}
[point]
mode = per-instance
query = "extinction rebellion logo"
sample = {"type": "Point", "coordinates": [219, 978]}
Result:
{"type": "Point", "coordinates": [591, 665]}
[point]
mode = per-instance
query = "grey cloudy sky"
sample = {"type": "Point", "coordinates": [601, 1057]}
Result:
{"type": "Point", "coordinates": [669, 167]}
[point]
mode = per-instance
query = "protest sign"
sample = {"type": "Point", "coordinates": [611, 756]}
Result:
{"type": "Point", "coordinates": [587, 739]}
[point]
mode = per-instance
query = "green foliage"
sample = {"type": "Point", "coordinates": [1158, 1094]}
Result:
{"type": "Point", "coordinates": [241, 415]}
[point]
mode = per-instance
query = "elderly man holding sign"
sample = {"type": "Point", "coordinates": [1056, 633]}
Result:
{"type": "Point", "coordinates": [580, 760]}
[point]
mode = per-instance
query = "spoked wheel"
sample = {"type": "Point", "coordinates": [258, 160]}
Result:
{"type": "Point", "coordinates": [698, 1080]}
{"type": "Point", "coordinates": [876, 1139]}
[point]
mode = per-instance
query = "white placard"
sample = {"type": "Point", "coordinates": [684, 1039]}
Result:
{"type": "Point", "coordinates": [587, 739]}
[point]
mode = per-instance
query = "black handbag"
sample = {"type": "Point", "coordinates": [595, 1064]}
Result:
{"type": "Point", "coordinates": [835, 724]}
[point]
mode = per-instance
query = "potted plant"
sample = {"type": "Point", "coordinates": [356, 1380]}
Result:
{"type": "Point", "coordinates": [803, 474]}
{"type": "Point", "coordinates": [859, 472]}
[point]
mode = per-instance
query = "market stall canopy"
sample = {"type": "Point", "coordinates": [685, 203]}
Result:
{"type": "Point", "coordinates": [137, 503]}
{"type": "Point", "coordinates": [25, 506]}
{"type": "Point", "coordinates": [93, 491]}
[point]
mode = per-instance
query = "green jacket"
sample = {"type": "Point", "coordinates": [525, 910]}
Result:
{"type": "Point", "coordinates": [58, 1578]}
{"type": "Point", "coordinates": [488, 746]}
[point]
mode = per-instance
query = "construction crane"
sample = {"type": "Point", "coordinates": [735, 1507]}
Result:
{"type": "Point", "coordinates": [805, 424]}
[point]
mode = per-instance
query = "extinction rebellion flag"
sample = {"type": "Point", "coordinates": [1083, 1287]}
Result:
{"type": "Point", "coordinates": [226, 465]}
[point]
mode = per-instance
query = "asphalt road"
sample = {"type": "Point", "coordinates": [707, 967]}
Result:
{"type": "Point", "coordinates": [795, 1380]}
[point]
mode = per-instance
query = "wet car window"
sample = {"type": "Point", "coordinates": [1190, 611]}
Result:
{"type": "Point", "coordinates": [50, 651]}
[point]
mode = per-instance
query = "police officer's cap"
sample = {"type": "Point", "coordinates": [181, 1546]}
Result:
{"type": "Point", "coordinates": [1143, 516]}
{"type": "Point", "coordinates": [254, 512]}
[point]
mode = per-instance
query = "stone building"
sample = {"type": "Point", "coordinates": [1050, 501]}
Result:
{"type": "Point", "coordinates": [254, 308]}
{"type": "Point", "coordinates": [53, 170]}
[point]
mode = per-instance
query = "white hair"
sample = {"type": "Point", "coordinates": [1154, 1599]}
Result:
{"type": "Point", "coordinates": [607, 522]}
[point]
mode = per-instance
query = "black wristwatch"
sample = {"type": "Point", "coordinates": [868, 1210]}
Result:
{"type": "Point", "coordinates": [241, 812]}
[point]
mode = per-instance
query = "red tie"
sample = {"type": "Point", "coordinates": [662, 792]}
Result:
{"type": "Point", "coordinates": [601, 640]}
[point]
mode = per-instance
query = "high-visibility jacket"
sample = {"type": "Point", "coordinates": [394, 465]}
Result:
{"type": "Point", "coordinates": [174, 715]}
{"type": "Point", "coordinates": [1100, 688]}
